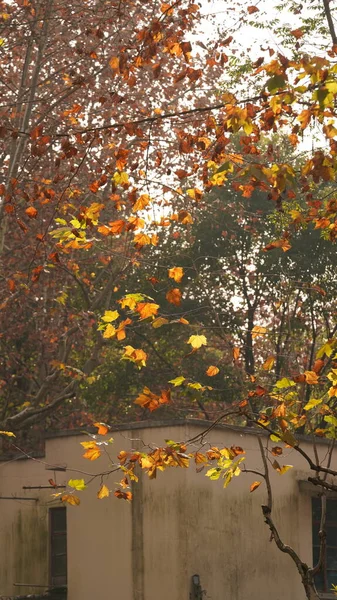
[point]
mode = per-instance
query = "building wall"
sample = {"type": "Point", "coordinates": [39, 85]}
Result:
{"type": "Point", "coordinates": [178, 525]}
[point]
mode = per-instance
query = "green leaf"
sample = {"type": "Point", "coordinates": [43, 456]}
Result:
{"type": "Point", "coordinates": [332, 420]}
{"type": "Point", "coordinates": [77, 484]}
{"type": "Point", "coordinates": [173, 445]}
{"type": "Point", "coordinates": [275, 83]}
{"type": "Point", "coordinates": [224, 167]}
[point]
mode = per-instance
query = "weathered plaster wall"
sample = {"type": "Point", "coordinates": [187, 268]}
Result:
{"type": "Point", "coordinates": [178, 525]}
{"type": "Point", "coordinates": [23, 529]}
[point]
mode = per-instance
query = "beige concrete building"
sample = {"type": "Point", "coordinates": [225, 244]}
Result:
{"type": "Point", "coordinates": [179, 529]}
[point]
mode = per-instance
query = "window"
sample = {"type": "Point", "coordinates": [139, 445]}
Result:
{"type": "Point", "coordinates": [328, 571]}
{"type": "Point", "coordinates": [58, 546]}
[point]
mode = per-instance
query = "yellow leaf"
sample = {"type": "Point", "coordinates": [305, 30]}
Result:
{"type": "Point", "coordinates": [197, 341]}
{"type": "Point", "coordinates": [160, 322]}
{"type": "Point", "coordinates": [110, 315]}
{"type": "Point", "coordinates": [176, 273]}
{"type": "Point", "coordinates": [71, 499]}
{"type": "Point", "coordinates": [8, 433]}
{"type": "Point", "coordinates": [257, 330]}
{"type": "Point", "coordinates": [284, 469]}
{"type": "Point", "coordinates": [147, 309]}
{"type": "Point", "coordinates": [109, 332]}
{"type": "Point", "coordinates": [121, 178]}
{"type": "Point", "coordinates": [269, 363]}
{"type": "Point", "coordinates": [212, 370]}
{"type": "Point", "coordinates": [312, 403]}
{"type": "Point", "coordinates": [77, 484]}
{"type": "Point", "coordinates": [104, 492]}
{"type": "Point", "coordinates": [255, 485]}
{"type": "Point", "coordinates": [326, 349]}
{"type": "Point", "coordinates": [177, 381]}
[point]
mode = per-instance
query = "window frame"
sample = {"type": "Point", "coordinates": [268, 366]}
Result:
{"type": "Point", "coordinates": [311, 491]}
{"type": "Point", "coordinates": [57, 581]}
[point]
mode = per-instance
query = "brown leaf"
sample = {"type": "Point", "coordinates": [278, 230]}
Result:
{"type": "Point", "coordinates": [174, 296]}
{"type": "Point", "coordinates": [252, 9]}
{"type": "Point", "coordinates": [123, 495]}
{"type": "Point", "coordinates": [276, 451]}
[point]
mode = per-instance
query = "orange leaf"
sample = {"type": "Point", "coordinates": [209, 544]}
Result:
{"type": "Point", "coordinates": [211, 371]}
{"type": "Point", "coordinates": [283, 244]}
{"type": "Point", "coordinates": [184, 321]}
{"type": "Point", "coordinates": [311, 377]}
{"type": "Point", "coordinates": [138, 356]}
{"type": "Point", "coordinates": [148, 399]}
{"type": "Point", "coordinates": [116, 227]}
{"type": "Point", "coordinates": [31, 212]}
{"type": "Point", "coordinates": [257, 330]}
{"type": "Point", "coordinates": [71, 499]}
{"type": "Point", "coordinates": [174, 296]}
{"type": "Point", "coordinates": [114, 62]}
{"type": "Point", "coordinates": [147, 309]}
{"type": "Point", "coordinates": [236, 353]}
{"type": "Point", "coordinates": [92, 450]}
{"type": "Point", "coordinates": [269, 363]}
{"type": "Point", "coordinates": [255, 485]}
{"type": "Point", "coordinates": [102, 428]}
{"type": "Point", "coordinates": [176, 273]}
{"type": "Point", "coordinates": [141, 203]}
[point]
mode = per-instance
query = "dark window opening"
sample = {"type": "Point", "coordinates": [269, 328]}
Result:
{"type": "Point", "coordinates": [58, 546]}
{"type": "Point", "coordinates": [327, 574]}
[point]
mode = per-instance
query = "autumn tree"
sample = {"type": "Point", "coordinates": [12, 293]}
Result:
{"type": "Point", "coordinates": [100, 133]}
